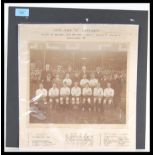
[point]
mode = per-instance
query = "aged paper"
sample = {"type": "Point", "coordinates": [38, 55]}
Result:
{"type": "Point", "coordinates": [77, 87]}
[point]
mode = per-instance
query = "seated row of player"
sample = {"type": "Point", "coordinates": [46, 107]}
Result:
{"type": "Point", "coordinates": [76, 92]}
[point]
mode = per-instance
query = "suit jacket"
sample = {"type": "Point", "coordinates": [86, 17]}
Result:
{"type": "Point", "coordinates": [82, 73]}
{"type": "Point", "coordinates": [44, 75]}
{"type": "Point", "coordinates": [99, 76]}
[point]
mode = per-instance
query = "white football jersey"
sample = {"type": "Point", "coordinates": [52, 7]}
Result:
{"type": "Point", "coordinates": [83, 82]}
{"type": "Point", "coordinates": [76, 91]}
{"type": "Point", "coordinates": [98, 92]}
{"type": "Point", "coordinates": [68, 82]}
{"type": "Point", "coordinates": [87, 92]}
{"type": "Point", "coordinates": [108, 92]}
{"type": "Point", "coordinates": [93, 82]}
{"type": "Point", "coordinates": [53, 92]}
{"type": "Point", "coordinates": [41, 92]}
{"type": "Point", "coordinates": [64, 91]}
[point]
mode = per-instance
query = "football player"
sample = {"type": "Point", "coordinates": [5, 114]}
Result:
{"type": "Point", "coordinates": [64, 96]}
{"type": "Point", "coordinates": [67, 80]}
{"type": "Point", "coordinates": [84, 81]}
{"type": "Point", "coordinates": [108, 94]}
{"type": "Point", "coordinates": [76, 93]}
{"type": "Point", "coordinates": [53, 96]}
{"type": "Point", "coordinates": [98, 95]}
{"type": "Point", "coordinates": [40, 98]}
{"type": "Point", "coordinates": [87, 93]}
{"type": "Point", "coordinates": [93, 81]}
{"type": "Point", "coordinates": [57, 81]}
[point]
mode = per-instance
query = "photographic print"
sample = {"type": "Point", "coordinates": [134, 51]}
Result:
{"type": "Point", "coordinates": [78, 82]}
{"type": "Point", "coordinates": [77, 86]}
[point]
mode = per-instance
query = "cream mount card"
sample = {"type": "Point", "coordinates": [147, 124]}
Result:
{"type": "Point", "coordinates": [77, 87]}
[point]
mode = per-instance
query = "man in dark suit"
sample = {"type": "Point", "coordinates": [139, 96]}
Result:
{"type": "Point", "coordinates": [116, 84]}
{"type": "Point", "coordinates": [48, 82]}
{"type": "Point", "coordinates": [70, 71]}
{"type": "Point", "coordinates": [76, 77]}
{"type": "Point", "coordinates": [83, 72]}
{"type": "Point", "coordinates": [59, 71]}
{"type": "Point", "coordinates": [98, 74]}
{"type": "Point", "coordinates": [46, 72]}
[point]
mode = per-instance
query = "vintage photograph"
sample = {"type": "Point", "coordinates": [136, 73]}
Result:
{"type": "Point", "coordinates": [78, 82]}
{"type": "Point", "coordinates": [77, 86]}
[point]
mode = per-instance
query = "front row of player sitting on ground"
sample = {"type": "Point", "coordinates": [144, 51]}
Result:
{"type": "Point", "coordinates": [75, 95]}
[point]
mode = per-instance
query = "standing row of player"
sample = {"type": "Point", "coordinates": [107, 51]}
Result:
{"type": "Point", "coordinates": [59, 76]}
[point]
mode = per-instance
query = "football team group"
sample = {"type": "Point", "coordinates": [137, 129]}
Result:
{"type": "Point", "coordinates": [63, 90]}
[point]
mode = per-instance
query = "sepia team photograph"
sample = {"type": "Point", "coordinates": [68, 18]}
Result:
{"type": "Point", "coordinates": [78, 83]}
